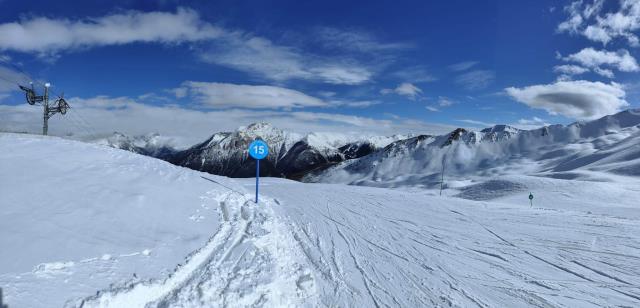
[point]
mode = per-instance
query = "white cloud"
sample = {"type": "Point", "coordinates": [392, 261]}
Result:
{"type": "Point", "coordinates": [9, 80]}
{"type": "Point", "coordinates": [341, 73]}
{"type": "Point", "coordinates": [531, 123]}
{"type": "Point", "coordinates": [416, 74]}
{"type": "Point", "coordinates": [570, 69]}
{"type": "Point", "coordinates": [585, 19]}
{"type": "Point", "coordinates": [354, 104]}
{"type": "Point", "coordinates": [564, 77]}
{"type": "Point", "coordinates": [575, 20]}
{"type": "Point", "coordinates": [593, 9]}
{"type": "Point", "coordinates": [476, 80]}
{"type": "Point", "coordinates": [225, 95]}
{"type": "Point", "coordinates": [235, 49]}
{"type": "Point", "coordinates": [260, 56]}
{"type": "Point", "coordinates": [45, 35]}
{"type": "Point", "coordinates": [408, 90]}
{"type": "Point", "coordinates": [597, 34]}
{"type": "Point", "coordinates": [405, 89]}
{"type": "Point", "coordinates": [106, 114]}
{"type": "Point", "coordinates": [604, 72]}
{"type": "Point", "coordinates": [179, 92]}
{"type": "Point", "coordinates": [621, 60]}
{"type": "Point", "coordinates": [575, 99]}
{"type": "Point", "coordinates": [571, 25]}
{"type": "Point", "coordinates": [327, 94]}
{"type": "Point", "coordinates": [476, 123]}
{"type": "Point", "coordinates": [441, 103]}
{"type": "Point", "coordinates": [462, 66]}
{"type": "Point", "coordinates": [445, 102]}
{"type": "Point", "coordinates": [534, 120]}
{"type": "Point", "coordinates": [600, 62]}
{"type": "Point", "coordinates": [354, 40]}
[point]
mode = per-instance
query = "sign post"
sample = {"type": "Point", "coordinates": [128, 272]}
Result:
{"type": "Point", "coordinates": [258, 149]}
{"type": "Point", "coordinates": [531, 199]}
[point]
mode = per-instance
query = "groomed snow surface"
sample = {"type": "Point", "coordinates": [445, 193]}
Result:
{"type": "Point", "coordinates": [86, 225]}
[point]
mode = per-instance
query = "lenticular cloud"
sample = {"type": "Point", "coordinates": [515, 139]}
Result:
{"type": "Point", "coordinates": [578, 99]}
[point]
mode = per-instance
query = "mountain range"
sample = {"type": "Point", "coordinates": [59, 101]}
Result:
{"type": "Point", "coordinates": [560, 151]}
{"type": "Point", "coordinates": [291, 155]}
{"type": "Point", "coordinates": [581, 150]}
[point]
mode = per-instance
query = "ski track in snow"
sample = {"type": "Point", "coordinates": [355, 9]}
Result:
{"type": "Point", "coordinates": [344, 247]}
{"type": "Point", "coordinates": [384, 248]}
{"type": "Point", "coordinates": [248, 262]}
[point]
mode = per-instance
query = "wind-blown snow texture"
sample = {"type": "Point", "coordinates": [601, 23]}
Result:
{"type": "Point", "coordinates": [78, 220]}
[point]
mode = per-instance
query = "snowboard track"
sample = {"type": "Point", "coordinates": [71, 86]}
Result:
{"type": "Point", "coordinates": [240, 252]}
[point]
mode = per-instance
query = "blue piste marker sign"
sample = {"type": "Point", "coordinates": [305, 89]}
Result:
{"type": "Point", "coordinates": [258, 149]}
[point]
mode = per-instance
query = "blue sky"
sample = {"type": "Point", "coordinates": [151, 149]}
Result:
{"type": "Point", "coordinates": [375, 66]}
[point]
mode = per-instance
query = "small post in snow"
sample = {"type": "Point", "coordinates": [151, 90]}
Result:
{"type": "Point", "coordinates": [258, 149]}
{"type": "Point", "coordinates": [531, 199]}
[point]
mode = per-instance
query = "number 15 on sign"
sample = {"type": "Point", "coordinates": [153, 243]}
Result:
{"type": "Point", "coordinates": [258, 149]}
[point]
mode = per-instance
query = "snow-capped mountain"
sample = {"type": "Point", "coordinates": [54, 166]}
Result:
{"type": "Point", "coordinates": [607, 144]}
{"type": "Point", "coordinates": [291, 155]}
{"type": "Point", "coordinates": [153, 145]}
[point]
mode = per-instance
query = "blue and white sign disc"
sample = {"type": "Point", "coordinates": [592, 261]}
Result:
{"type": "Point", "coordinates": [258, 149]}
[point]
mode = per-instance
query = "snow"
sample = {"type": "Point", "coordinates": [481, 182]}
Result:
{"type": "Point", "coordinates": [328, 141]}
{"type": "Point", "coordinates": [605, 145]}
{"type": "Point", "coordinates": [148, 142]}
{"type": "Point", "coordinates": [67, 204]}
{"type": "Point", "coordinates": [323, 141]}
{"type": "Point", "coordinates": [266, 131]}
{"type": "Point", "coordinates": [87, 225]}
{"type": "Point", "coordinates": [250, 252]}
{"type": "Point", "coordinates": [372, 247]}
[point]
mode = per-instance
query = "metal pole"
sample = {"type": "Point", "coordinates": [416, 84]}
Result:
{"type": "Point", "coordinates": [45, 126]}
{"type": "Point", "coordinates": [257, 177]}
{"type": "Point", "coordinates": [442, 176]}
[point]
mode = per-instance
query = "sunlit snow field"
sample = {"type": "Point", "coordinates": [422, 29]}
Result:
{"type": "Point", "coordinates": [89, 225]}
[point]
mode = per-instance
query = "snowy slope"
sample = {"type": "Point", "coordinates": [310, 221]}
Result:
{"type": "Point", "coordinates": [609, 144]}
{"type": "Point", "coordinates": [303, 245]}
{"type": "Point", "coordinates": [80, 218]}
{"type": "Point", "coordinates": [77, 217]}
{"type": "Point", "coordinates": [372, 247]}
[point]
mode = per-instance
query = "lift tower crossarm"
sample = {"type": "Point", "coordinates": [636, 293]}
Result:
{"type": "Point", "coordinates": [61, 105]}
